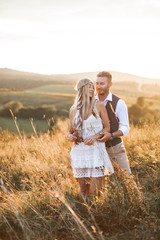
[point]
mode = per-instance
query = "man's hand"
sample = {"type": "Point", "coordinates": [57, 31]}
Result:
{"type": "Point", "coordinates": [72, 138]}
{"type": "Point", "coordinates": [89, 140]}
{"type": "Point", "coordinates": [105, 137]}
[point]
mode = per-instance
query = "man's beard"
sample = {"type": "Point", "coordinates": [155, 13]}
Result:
{"type": "Point", "coordinates": [101, 93]}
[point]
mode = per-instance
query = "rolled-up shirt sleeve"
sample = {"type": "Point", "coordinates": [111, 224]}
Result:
{"type": "Point", "coordinates": [122, 114]}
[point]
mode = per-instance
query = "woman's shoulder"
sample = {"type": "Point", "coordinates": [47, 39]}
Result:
{"type": "Point", "coordinates": [99, 104]}
{"type": "Point", "coordinates": [99, 107]}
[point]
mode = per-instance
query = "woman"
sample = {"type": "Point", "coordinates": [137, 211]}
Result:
{"type": "Point", "coordinates": [89, 159]}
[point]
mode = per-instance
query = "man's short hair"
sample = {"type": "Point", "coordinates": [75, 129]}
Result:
{"type": "Point", "coordinates": [105, 74]}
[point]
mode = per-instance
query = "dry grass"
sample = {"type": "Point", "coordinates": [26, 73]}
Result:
{"type": "Point", "coordinates": [39, 196]}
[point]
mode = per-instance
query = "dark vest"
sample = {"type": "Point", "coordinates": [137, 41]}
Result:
{"type": "Point", "coordinates": [114, 122]}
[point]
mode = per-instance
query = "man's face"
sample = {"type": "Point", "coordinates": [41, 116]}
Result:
{"type": "Point", "coordinates": [103, 85]}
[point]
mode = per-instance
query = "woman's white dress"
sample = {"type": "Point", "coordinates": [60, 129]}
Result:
{"type": "Point", "coordinates": [90, 160]}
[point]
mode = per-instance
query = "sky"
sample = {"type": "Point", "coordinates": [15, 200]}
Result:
{"type": "Point", "coordinates": [73, 36]}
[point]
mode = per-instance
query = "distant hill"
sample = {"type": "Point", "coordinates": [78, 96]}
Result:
{"type": "Point", "coordinates": [24, 80]}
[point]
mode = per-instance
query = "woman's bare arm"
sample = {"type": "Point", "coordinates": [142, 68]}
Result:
{"type": "Point", "coordinates": [105, 133]}
{"type": "Point", "coordinates": [104, 116]}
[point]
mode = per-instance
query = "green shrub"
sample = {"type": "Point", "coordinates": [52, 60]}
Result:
{"type": "Point", "coordinates": [15, 106]}
{"type": "Point", "coordinates": [141, 113]}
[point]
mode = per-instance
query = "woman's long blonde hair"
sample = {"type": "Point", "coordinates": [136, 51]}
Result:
{"type": "Point", "coordinates": [83, 103]}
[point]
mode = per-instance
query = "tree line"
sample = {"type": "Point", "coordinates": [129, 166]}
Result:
{"type": "Point", "coordinates": [139, 113]}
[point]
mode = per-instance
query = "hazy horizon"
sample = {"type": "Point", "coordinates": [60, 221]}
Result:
{"type": "Point", "coordinates": [72, 73]}
{"type": "Point", "coordinates": [116, 76]}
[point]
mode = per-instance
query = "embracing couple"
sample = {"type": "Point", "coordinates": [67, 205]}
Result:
{"type": "Point", "coordinates": [97, 124]}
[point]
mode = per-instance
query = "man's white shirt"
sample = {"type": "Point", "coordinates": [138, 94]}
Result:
{"type": "Point", "coordinates": [121, 113]}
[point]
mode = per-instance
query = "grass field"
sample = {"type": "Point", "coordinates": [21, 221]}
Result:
{"type": "Point", "coordinates": [40, 198]}
{"type": "Point", "coordinates": [37, 99]}
{"type": "Point", "coordinates": [24, 125]}
{"type": "Point", "coordinates": [127, 91]}
{"type": "Point", "coordinates": [55, 89]}
{"type": "Point", "coordinates": [124, 88]}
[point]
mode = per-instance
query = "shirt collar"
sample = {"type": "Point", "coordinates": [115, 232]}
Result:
{"type": "Point", "coordinates": [108, 98]}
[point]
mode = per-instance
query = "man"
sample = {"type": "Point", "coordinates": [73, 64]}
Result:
{"type": "Point", "coordinates": [119, 124]}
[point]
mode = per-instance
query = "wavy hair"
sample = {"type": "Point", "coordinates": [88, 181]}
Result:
{"type": "Point", "coordinates": [83, 103]}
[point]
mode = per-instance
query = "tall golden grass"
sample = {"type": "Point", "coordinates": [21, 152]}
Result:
{"type": "Point", "coordinates": [40, 197]}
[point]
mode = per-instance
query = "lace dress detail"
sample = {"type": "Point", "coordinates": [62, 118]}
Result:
{"type": "Point", "coordinates": [93, 160]}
